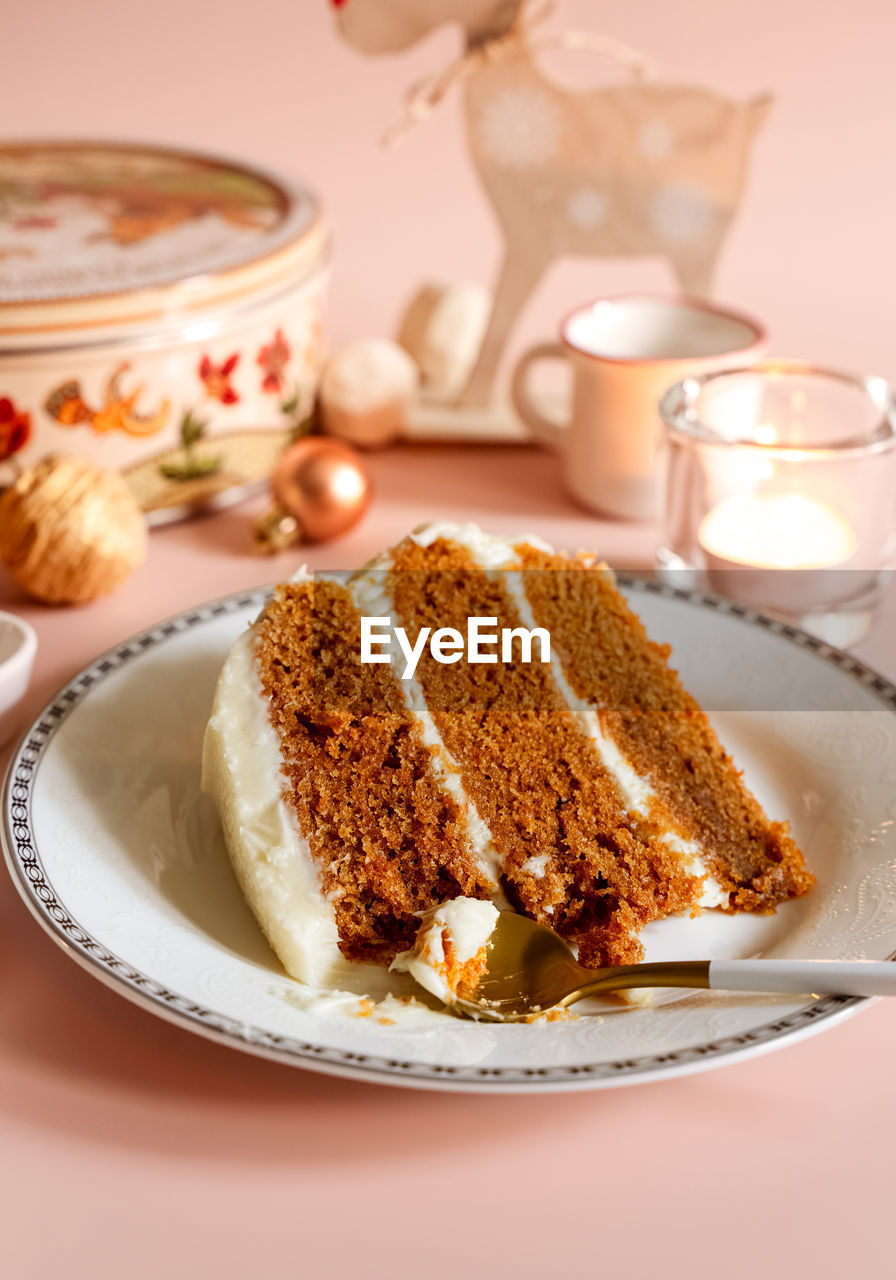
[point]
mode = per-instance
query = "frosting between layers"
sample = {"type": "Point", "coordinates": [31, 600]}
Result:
{"type": "Point", "coordinates": [487, 549]}
{"type": "Point", "coordinates": [495, 553]}
{"type": "Point", "coordinates": [371, 598]}
{"type": "Point", "coordinates": [636, 793]}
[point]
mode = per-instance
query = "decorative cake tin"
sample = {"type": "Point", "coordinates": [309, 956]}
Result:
{"type": "Point", "coordinates": [150, 297]}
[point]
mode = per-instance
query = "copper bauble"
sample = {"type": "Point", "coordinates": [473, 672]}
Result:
{"type": "Point", "coordinates": [70, 531]}
{"type": "Point", "coordinates": [320, 488]}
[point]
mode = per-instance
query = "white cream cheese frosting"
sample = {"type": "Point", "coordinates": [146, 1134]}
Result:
{"type": "Point", "coordinates": [488, 550]}
{"type": "Point", "coordinates": [241, 771]}
{"type": "Point", "coordinates": [468, 924]}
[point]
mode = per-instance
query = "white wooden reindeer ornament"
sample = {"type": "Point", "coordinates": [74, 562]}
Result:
{"type": "Point", "coordinates": [638, 168]}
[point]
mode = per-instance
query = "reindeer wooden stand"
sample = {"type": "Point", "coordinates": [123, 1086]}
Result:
{"type": "Point", "coordinates": [633, 169]}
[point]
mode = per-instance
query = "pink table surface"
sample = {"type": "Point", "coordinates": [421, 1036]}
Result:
{"type": "Point", "coordinates": [133, 1149]}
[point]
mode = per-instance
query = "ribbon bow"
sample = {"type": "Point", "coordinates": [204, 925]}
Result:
{"type": "Point", "coordinates": [424, 96]}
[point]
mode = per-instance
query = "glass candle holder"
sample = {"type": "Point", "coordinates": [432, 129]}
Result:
{"type": "Point", "coordinates": [777, 488]}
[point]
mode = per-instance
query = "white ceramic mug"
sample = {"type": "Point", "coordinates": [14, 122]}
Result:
{"type": "Point", "coordinates": [625, 352]}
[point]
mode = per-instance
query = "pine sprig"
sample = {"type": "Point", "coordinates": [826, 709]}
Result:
{"type": "Point", "coordinates": [193, 466]}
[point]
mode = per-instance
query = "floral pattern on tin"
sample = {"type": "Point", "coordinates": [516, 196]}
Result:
{"type": "Point", "coordinates": [216, 378]}
{"type": "Point", "coordinates": [272, 359]}
{"type": "Point", "coordinates": [15, 428]}
{"type": "Point", "coordinates": [67, 405]}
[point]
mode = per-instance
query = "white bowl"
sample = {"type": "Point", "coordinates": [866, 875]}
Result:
{"type": "Point", "coordinates": [18, 647]}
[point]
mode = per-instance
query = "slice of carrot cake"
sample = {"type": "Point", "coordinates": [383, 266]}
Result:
{"type": "Point", "coordinates": [475, 718]}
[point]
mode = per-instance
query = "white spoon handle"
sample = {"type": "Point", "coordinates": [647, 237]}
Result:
{"type": "Point", "coordinates": [820, 977]}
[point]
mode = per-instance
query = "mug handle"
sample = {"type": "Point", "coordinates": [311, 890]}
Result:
{"type": "Point", "coordinates": [543, 430]}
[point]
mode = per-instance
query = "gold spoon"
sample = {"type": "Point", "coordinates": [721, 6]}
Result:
{"type": "Point", "coordinates": [531, 970]}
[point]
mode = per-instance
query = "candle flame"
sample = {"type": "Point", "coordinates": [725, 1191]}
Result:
{"type": "Point", "coordinates": [777, 531]}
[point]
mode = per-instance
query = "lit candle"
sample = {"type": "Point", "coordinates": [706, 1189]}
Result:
{"type": "Point", "coordinates": [750, 536]}
{"type": "Point", "coordinates": [777, 531]}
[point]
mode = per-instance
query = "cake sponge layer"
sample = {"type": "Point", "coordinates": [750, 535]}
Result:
{"type": "Point", "coordinates": [271, 857]}
{"type": "Point", "coordinates": [388, 839]}
{"type": "Point", "coordinates": [612, 664]}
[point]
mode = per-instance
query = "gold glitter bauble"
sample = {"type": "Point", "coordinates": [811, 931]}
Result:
{"type": "Point", "coordinates": [70, 531]}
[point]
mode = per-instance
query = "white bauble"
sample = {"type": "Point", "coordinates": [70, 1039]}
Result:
{"type": "Point", "coordinates": [366, 391]}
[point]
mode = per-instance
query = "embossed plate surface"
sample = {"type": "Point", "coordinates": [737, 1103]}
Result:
{"type": "Point", "coordinates": [121, 860]}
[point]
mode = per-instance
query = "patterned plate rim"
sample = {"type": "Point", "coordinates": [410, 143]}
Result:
{"type": "Point", "coordinates": [28, 874]}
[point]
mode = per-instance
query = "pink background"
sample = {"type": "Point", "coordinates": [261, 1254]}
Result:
{"type": "Point", "coordinates": [812, 253]}
{"type": "Point", "coordinates": [132, 1149]}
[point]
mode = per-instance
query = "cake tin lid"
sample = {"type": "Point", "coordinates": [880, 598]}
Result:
{"type": "Point", "coordinates": [99, 233]}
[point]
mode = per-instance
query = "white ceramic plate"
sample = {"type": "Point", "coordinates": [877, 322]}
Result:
{"type": "Point", "coordinates": [122, 861]}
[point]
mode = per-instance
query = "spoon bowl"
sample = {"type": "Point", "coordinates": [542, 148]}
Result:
{"type": "Point", "coordinates": [531, 970]}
